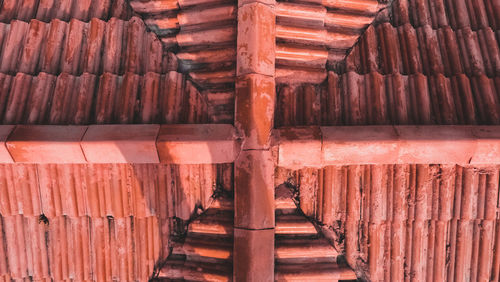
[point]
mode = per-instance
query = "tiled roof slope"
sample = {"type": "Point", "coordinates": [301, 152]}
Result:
{"type": "Point", "coordinates": [82, 45]}
{"type": "Point", "coordinates": [65, 10]}
{"type": "Point", "coordinates": [416, 222]}
{"type": "Point", "coordinates": [220, 105]}
{"type": "Point", "coordinates": [202, 33]}
{"type": "Point", "coordinates": [374, 98]}
{"type": "Point", "coordinates": [312, 35]}
{"type": "Point", "coordinates": [77, 47]}
{"type": "Point", "coordinates": [109, 98]}
{"type": "Point", "coordinates": [301, 252]}
{"type": "Point", "coordinates": [421, 62]}
{"type": "Point", "coordinates": [206, 252]}
{"type": "Point", "coordinates": [100, 222]}
{"type": "Point", "coordinates": [308, 34]}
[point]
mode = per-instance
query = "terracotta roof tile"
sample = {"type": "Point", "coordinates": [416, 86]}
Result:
{"type": "Point", "coordinates": [457, 14]}
{"type": "Point", "coordinates": [46, 10]}
{"type": "Point", "coordinates": [427, 201]}
{"type": "Point", "coordinates": [332, 28]}
{"type": "Point", "coordinates": [47, 99]}
{"type": "Point", "coordinates": [19, 188]}
{"type": "Point", "coordinates": [78, 47]}
{"type": "Point", "coordinates": [448, 63]}
{"type": "Point", "coordinates": [207, 251]}
{"type": "Point", "coordinates": [301, 252]}
{"type": "Point", "coordinates": [114, 228]}
{"type": "Point", "coordinates": [92, 61]}
{"type": "Point", "coordinates": [436, 100]}
{"type": "Point", "coordinates": [195, 32]}
{"type": "Point", "coordinates": [441, 51]}
{"type": "Point", "coordinates": [220, 106]}
{"type": "Point", "coordinates": [61, 189]}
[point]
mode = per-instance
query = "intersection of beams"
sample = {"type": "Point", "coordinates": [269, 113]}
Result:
{"type": "Point", "coordinates": [253, 255]}
{"type": "Point", "coordinates": [296, 147]}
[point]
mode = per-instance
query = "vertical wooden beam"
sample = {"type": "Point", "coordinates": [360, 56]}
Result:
{"type": "Point", "coordinates": [254, 168]}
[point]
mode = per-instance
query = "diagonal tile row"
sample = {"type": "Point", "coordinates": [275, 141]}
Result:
{"type": "Point", "coordinates": [220, 105]}
{"type": "Point", "coordinates": [178, 144]}
{"type": "Point", "coordinates": [312, 35]}
{"type": "Point", "coordinates": [96, 47]}
{"type": "Point", "coordinates": [203, 33]}
{"type": "Point", "coordinates": [206, 254]}
{"type": "Point", "coordinates": [65, 10]}
{"type": "Point", "coordinates": [301, 252]}
{"type": "Point", "coordinates": [109, 98]}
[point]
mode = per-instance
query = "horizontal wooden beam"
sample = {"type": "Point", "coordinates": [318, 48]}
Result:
{"type": "Point", "coordinates": [131, 143]}
{"type": "Point", "coordinates": [344, 145]}
{"type": "Point", "coordinates": [297, 147]}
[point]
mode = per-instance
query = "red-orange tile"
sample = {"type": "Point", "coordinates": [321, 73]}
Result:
{"type": "Point", "coordinates": [131, 143]}
{"type": "Point", "coordinates": [254, 190]}
{"type": "Point", "coordinates": [254, 113]}
{"type": "Point", "coordinates": [256, 39]}
{"type": "Point", "coordinates": [300, 146]}
{"type": "Point", "coordinates": [253, 255]}
{"type": "Point", "coordinates": [46, 144]}
{"type": "Point", "coordinates": [197, 144]}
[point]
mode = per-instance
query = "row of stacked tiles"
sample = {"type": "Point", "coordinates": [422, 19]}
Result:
{"type": "Point", "coordinates": [46, 10]}
{"type": "Point", "coordinates": [428, 222]}
{"type": "Point", "coordinates": [476, 14]}
{"type": "Point", "coordinates": [87, 99]}
{"type": "Point", "coordinates": [331, 32]}
{"type": "Point", "coordinates": [321, 146]}
{"type": "Point", "coordinates": [220, 106]}
{"type": "Point", "coordinates": [115, 190]}
{"type": "Point", "coordinates": [76, 47]}
{"type": "Point", "coordinates": [79, 249]}
{"type": "Point", "coordinates": [108, 205]}
{"type": "Point", "coordinates": [204, 32]}
{"type": "Point", "coordinates": [133, 143]}
{"type": "Point", "coordinates": [353, 99]}
{"type": "Point", "coordinates": [407, 50]}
